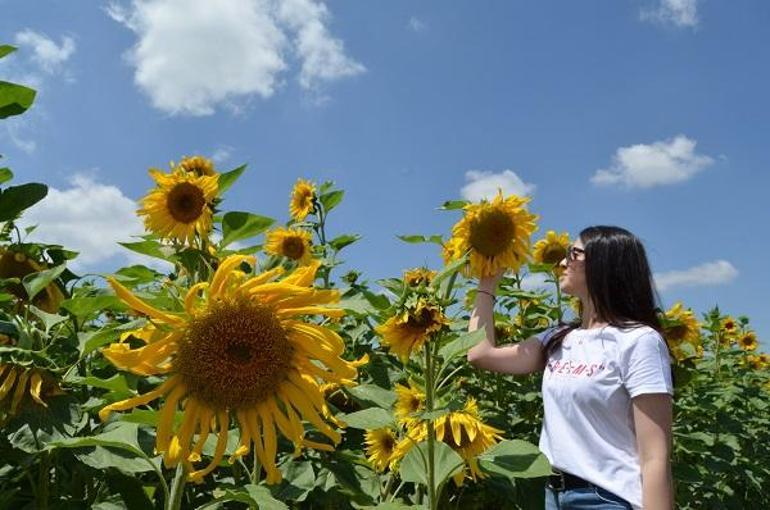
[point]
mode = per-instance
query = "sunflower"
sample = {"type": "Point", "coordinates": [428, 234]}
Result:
{"type": "Point", "coordinates": [463, 431]}
{"type": "Point", "coordinates": [409, 400]}
{"type": "Point", "coordinates": [16, 381]}
{"type": "Point", "coordinates": [408, 330]}
{"type": "Point", "coordinates": [180, 205]}
{"type": "Point", "coordinates": [380, 448]}
{"type": "Point", "coordinates": [198, 165]}
{"type": "Point", "coordinates": [419, 275]}
{"type": "Point", "coordinates": [497, 233]}
{"type": "Point", "coordinates": [729, 330]}
{"type": "Point", "coordinates": [302, 198]}
{"type": "Point", "coordinates": [748, 341]}
{"type": "Point", "coordinates": [551, 249]}
{"type": "Point", "coordinates": [239, 349]}
{"type": "Point", "coordinates": [16, 264]}
{"type": "Point", "coordinates": [291, 243]}
{"type": "Point", "coordinates": [682, 326]}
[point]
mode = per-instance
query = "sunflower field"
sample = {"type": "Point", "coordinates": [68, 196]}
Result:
{"type": "Point", "coordinates": [257, 372]}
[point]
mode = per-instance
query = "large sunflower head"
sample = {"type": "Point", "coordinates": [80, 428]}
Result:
{"type": "Point", "coordinates": [302, 197]}
{"type": "Point", "coordinates": [551, 249]}
{"type": "Point", "coordinates": [748, 341]}
{"type": "Point", "coordinates": [496, 234]}
{"type": "Point", "coordinates": [409, 400]}
{"type": "Point", "coordinates": [408, 330]}
{"type": "Point", "coordinates": [241, 348]}
{"type": "Point", "coordinates": [682, 327]}
{"type": "Point", "coordinates": [419, 276]}
{"type": "Point", "coordinates": [198, 165]}
{"type": "Point", "coordinates": [292, 243]}
{"type": "Point", "coordinates": [380, 447]}
{"type": "Point", "coordinates": [14, 263]}
{"type": "Point", "coordinates": [180, 206]}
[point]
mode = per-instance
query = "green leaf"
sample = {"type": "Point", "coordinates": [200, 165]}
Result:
{"type": "Point", "coordinates": [375, 394]}
{"type": "Point", "coordinates": [35, 282]}
{"type": "Point", "coordinates": [83, 307]}
{"type": "Point", "coordinates": [340, 242]}
{"type": "Point", "coordinates": [515, 459]}
{"type": "Point", "coordinates": [5, 175]}
{"type": "Point", "coordinates": [136, 275]}
{"type": "Point", "coordinates": [249, 494]}
{"type": "Point", "coordinates": [416, 238]}
{"type": "Point", "coordinates": [49, 319]}
{"type": "Point", "coordinates": [150, 248]}
{"type": "Point", "coordinates": [446, 463]}
{"type": "Point", "coordinates": [454, 204]}
{"type": "Point", "coordinates": [448, 270]}
{"type": "Point", "coordinates": [238, 225]}
{"type": "Point", "coordinates": [461, 345]}
{"type": "Point", "coordinates": [15, 99]}
{"type": "Point", "coordinates": [15, 199]}
{"type": "Point", "coordinates": [92, 340]}
{"type": "Point", "coordinates": [393, 506]}
{"type": "Point", "coordinates": [369, 419]}
{"type": "Point", "coordinates": [331, 199]}
{"type": "Point", "coordinates": [298, 481]}
{"type": "Point", "coordinates": [115, 383]}
{"type": "Point", "coordinates": [6, 49]}
{"type": "Point", "coordinates": [227, 179]}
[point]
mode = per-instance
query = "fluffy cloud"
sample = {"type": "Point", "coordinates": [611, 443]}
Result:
{"type": "Point", "coordinates": [88, 217]}
{"type": "Point", "coordinates": [680, 13]}
{"type": "Point", "coordinates": [710, 273]}
{"type": "Point", "coordinates": [484, 185]}
{"type": "Point", "coordinates": [416, 24]}
{"type": "Point", "coordinates": [194, 55]}
{"type": "Point", "coordinates": [644, 166]}
{"type": "Point", "coordinates": [49, 56]}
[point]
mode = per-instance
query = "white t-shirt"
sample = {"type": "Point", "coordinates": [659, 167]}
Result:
{"type": "Point", "coordinates": [588, 384]}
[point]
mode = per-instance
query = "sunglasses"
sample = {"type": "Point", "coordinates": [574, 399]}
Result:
{"type": "Point", "coordinates": [572, 253]}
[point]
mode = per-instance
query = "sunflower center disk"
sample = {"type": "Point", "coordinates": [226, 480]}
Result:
{"type": "Point", "coordinates": [293, 248]}
{"type": "Point", "coordinates": [185, 202]}
{"type": "Point", "coordinates": [492, 232]}
{"type": "Point", "coordinates": [234, 355]}
{"type": "Point", "coordinates": [677, 333]}
{"type": "Point", "coordinates": [554, 255]}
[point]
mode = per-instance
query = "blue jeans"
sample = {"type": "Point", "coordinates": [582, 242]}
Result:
{"type": "Point", "coordinates": [584, 498]}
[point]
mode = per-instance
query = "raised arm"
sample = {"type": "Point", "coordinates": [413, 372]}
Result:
{"type": "Point", "coordinates": [521, 358]}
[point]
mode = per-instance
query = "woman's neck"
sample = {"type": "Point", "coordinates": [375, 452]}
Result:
{"type": "Point", "coordinates": [590, 319]}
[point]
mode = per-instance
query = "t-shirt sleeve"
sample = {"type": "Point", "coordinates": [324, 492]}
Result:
{"type": "Point", "coordinates": [545, 336]}
{"type": "Point", "coordinates": [645, 366]}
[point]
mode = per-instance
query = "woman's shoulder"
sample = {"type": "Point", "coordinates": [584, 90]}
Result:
{"type": "Point", "coordinates": [638, 333]}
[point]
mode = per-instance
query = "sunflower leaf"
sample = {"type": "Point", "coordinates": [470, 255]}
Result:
{"type": "Point", "coordinates": [237, 225]}
{"type": "Point", "coordinates": [5, 175]}
{"type": "Point", "coordinates": [515, 459]}
{"type": "Point", "coordinates": [227, 179]}
{"type": "Point", "coordinates": [331, 199]}
{"type": "Point", "coordinates": [416, 238]}
{"type": "Point", "coordinates": [340, 242]}
{"type": "Point", "coordinates": [369, 419]}
{"type": "Point", "coordinates": [446, 464]}
{"type": "Point", "coordinates": [448, 271]}
{"type": "Point", "coordinates": [375, 394]}
{"type": "Point", "coordinates": [454, 204]}
{"type": "Point", "coordinates": [461, 345]}
{"type": "Point", "coordinates": [15, 199]}
{"type": "Point", "coordinates": [6, 49]}
{"type": "Point", "coordinates": [15, 99]}
{"type": "Point", "coordinates": [151, 248]}
{"type": "Point", "coordinates": [35, 282]}
{"type": "Point", "coordinates": [249, 494]}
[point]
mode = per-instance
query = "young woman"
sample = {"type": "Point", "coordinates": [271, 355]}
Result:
{"type": "Point", "coordinates": [607, 382]}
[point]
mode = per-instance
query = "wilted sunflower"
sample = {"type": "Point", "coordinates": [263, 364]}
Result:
{"type": "Point", "coordinates": [408, 330]}
{"type": "Point", "coordinates": [198, 165]}
{"type": "Point", "coordinates": [302, 197]}
{"type": "Point", "coordinates": [683, 328]}
{"type": "Point", "coordinates": [291, 243]}
{"type": "Point", "coordinates": [419, 275]}
{"type": "Point", "coordinates": [551, 249]}
{"type": "Point", "coordinates": [748, 341]}
{"type": "Point", "coordinates": [463, 431]}
{"type": "Point", "coordinates": [16, 264]}
{"type": "Point", "coordinates": [380, 448]}
{"type": "Point", "coordinates": [240, 348]}
{"type": "Point", "coordinates": [497, 233]}
{"type": "Point", "coordinates": [409, 400]}
{"type": "Point", "coordinates": [180, 205]}
{"type": "Point", "coordinates": [16, 381]}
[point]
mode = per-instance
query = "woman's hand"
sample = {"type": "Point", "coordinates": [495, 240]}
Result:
{"type": "Point", "coordinates": [489, 283]}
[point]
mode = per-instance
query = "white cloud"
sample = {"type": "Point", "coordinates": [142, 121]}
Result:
{"type": "Point", "coordinates": [484, 185]}
{"type": "Point", "coordinates": [645, 166]}
{"type": "Point", "coordinates": [416, 25]}
{"type": "Point", "coordinates": [536, 281]}
{"type": "Point", "coordinates": [711, 273]}
{"type": "Point", "coordinates": [222, 154]}
{"type": "Point", "coordinates": [49, 56]}
{"type": "Point", "coordinates": [194, 55]}
{"type": "Point", "coordinates": [90, 218]}
{"type": "Point", "coordinates": [680, 13]}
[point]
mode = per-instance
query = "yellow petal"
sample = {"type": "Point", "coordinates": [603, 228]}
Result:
{"type": "Point", "coordinates": [10, 378]}
{"type": "Point", "coordinates": [219, 452]}
{"type": "Point", "coordinates": [21, 384]}
{"type": "Point", "coordinates": [192, 296]}
{"type": "Point", "coordinates": [138, 400]}
{"type": "Point", "coordinates": [35, 385]}
{"type": "Point", "coordinates": [140, 306]}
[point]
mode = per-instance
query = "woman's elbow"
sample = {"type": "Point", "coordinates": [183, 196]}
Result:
{"type": "Point", "coordinates": [474, 356]}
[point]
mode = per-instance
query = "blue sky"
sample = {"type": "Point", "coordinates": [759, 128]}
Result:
{"type": "Point", "coordinates": [648, 114]}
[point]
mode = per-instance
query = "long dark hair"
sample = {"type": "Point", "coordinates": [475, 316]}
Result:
{"type": "Point", "coordinates": [619, 282]}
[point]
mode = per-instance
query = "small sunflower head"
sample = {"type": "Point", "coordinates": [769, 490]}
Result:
{"type": "Point", "coordinates": [419, 276]}
{"type": "Point", "coordinates": [293, 243]}
{"type": "Point", "coordinates": [302, 199]}
{"type": "Point", "coordinates": [198, 165]}
{"type": "Point", "coordinates": [551, 249]}
{"type": "Point", "coordinates": [14, 263]}
{"type": "Point", "coordinates": [748, 341]}
{"type": "Point", "coordinates": [380, 447]}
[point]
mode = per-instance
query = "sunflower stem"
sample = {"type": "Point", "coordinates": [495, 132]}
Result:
{"type": "Point", "coordinates": [429, 389]}
{"type": "Point", "coordinates": [177, 488]}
